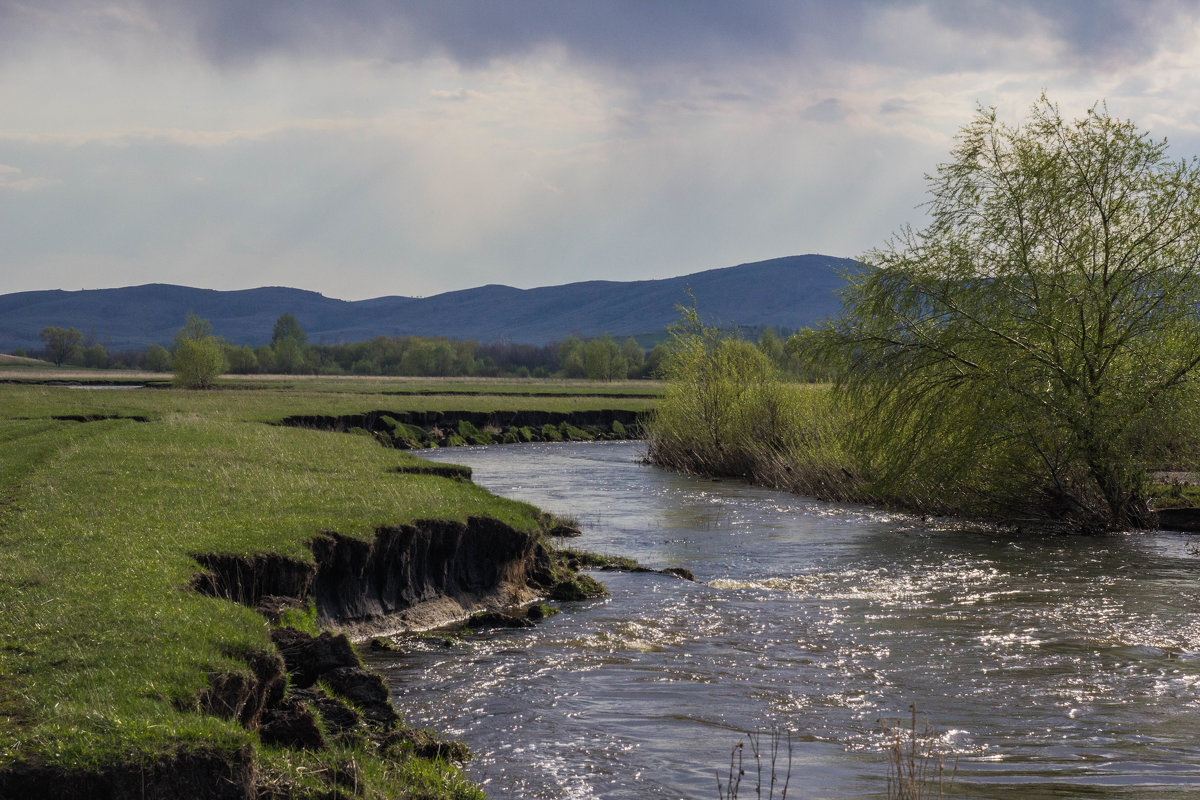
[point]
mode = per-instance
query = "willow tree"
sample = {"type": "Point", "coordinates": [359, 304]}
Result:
{"type": "Point", "coordinates": [1034, 350]}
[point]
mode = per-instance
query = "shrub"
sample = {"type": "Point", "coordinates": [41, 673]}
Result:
{"type": "Point", "coordinates": [198, 362]}
{"type": "Point", "coordinates": [727, 412]}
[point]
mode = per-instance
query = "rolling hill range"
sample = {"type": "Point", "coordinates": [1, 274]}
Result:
{"type": "Point", "coordinates": [790, 292]}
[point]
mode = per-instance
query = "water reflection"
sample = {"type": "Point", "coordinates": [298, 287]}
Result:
{"type": "Point", "coordinates": [1058, 667]}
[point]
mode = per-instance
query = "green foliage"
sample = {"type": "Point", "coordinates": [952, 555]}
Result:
{"type": "Point", "coordinates": [571, 357]}
{"type": "Point", "coordinates": [603, 361]}
{"type": "Point", "coordinates": [60, 342]}
{"type": "Point", "coordinates": [265, 355]}
{"type": "Point", "coordinates": [808, 356]}
{"type": "Point", "coordinates": [241, 360]}
{"type": "Point", "coordinates": [654, 361]}
{"type": "Point", "coordinates": [286, 327]}
{"type": "Point", "coordinates": [198, 362]}
{"type": "Point", "coordinates": [195, 328]}
{"type": "Point", "coordinates": [288, 356]}
{"type": "Point", "coordinates": [1032, 352]}
{"type": "Point", "coordinates": [95, 357]}
{"type": "Point", "coordinates": [158, 359]}
{"type": "Point", "coordinates": [633, 355]}
{"type": "Point", "coordinates": [726, 412]}
{"type": "Point", "coordinates": [722, 395]}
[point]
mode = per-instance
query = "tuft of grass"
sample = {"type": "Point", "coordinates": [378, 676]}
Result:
{"type": "Point", "coordinates": [302, 619]}
{"type": "Point", "coordinates": [583, 559]}
{"type": "Point", "coordinates": [359, 771]}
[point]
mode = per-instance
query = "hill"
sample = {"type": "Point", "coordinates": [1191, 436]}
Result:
{"type": "Point", "coordinates": [790, 292]}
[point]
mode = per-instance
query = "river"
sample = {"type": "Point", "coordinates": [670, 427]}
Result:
{"type": "Point", "coordinates": [1052, 667]}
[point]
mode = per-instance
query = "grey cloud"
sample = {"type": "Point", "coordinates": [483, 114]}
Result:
{"type": "Point", "coordinates": [626, 32]}
{"type": "Point", "coordinates": [828, 110]}
{"type": "Point", "coordinates": [895, 105]}
{"type": "Point", "coordinates": [619, 34]}
{"type": "Point", "coordinates": [1092, 31]}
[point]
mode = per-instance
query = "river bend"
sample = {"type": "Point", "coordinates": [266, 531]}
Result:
{"type": "Point", "coordinates": [1054, 667]}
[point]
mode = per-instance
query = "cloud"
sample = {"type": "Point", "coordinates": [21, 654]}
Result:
{"type": "Point", "coordinates": [828, 110]}
{"type": "Point", "coordinates": [624, 35]}
{"type": "Point", "coordinates": [380, 147]}
{"type": "Point", "coordinates": [13, 179]}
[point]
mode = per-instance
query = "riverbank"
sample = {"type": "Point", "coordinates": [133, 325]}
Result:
{"type": "Point", "coordinates": [155, 543]}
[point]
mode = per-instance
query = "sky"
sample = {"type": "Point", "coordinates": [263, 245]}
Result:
{"type": "Point", "coordinates": [365, 147]}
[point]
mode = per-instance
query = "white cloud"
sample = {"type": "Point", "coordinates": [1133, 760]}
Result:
{"type": "Point", "coordinates": [12, 178]}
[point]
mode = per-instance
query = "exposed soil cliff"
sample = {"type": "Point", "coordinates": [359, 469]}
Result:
{"type": "Point", "coordinates": [417, 429]}
{"type": "Point", "coordinates": [416, 575]}
{"type": "Point", "coordinates": [312, 692]}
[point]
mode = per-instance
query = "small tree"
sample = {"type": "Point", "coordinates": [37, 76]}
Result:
{"type": "Point", "coordinates": [634, 355]}
{"type": "Point", "coordinates": [198, 363]}
{"type": "Point", "coordinates": [1027, 352]}
{"type": "Point", "coordinates": [241, 359]}
{"type": "Point", "coordinates": [265, 356]}
{"type": "Point", "coordinates": [60, 342]}
{"type": "Point", "coordinates": [602, 360]}
{"type": "Point", "coordinates": [199, 357]}
{"type": "Point", "coordinates": [96, 357]}
{"type": "Point", "coordinates": [288, 355]}
{"type": "Point", "coordinates": [286, 327]}
{"type": "Point", "coordinates": [157, 358]}
{"type": "Point", "coordinates": [571, 357]}
{"type": "Point", "coordinates": [194, 327]}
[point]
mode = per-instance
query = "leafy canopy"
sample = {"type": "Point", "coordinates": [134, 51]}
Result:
{"type": "Point", "coordinates": [199, 357]}
{"type": "Point", "coordinates": [60, 342]}
{"type": "Point", "coordinates": [1034, 349]}
{"type": "Point", "coordinates": [287, 327]}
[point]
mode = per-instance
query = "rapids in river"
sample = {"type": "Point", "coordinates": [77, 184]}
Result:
{"type": "Point", "coordinates": [1047, 666]}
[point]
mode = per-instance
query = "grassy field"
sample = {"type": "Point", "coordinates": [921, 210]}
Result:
{"type": "Point", "coordinates": [104, 647]}
{"type": "Point", "coordinates": [255, 398]}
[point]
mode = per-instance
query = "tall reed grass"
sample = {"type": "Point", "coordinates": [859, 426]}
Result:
{"type": "Point", "coordinates": [918, 768]}
{"type": "Point", "coordinates": [726, 412]}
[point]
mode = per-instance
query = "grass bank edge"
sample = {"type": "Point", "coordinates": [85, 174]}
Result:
{"type": "Point", "coordinates": [104, 645]}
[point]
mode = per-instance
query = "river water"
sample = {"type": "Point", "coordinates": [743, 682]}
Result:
{"type": "Point", "coordinates": [1052, 667]}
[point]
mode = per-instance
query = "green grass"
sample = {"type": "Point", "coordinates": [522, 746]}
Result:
{"type": "Point", "coordinates": [104, 648]}
{"type": "Point", "coordinates": [269, 401]}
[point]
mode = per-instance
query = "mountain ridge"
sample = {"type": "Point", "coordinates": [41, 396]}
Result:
{"type": "Point", "coordinates": [792, 292]}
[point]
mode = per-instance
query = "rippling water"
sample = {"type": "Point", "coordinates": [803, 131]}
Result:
{"type": "Point", "coordinates": [1054, 667]}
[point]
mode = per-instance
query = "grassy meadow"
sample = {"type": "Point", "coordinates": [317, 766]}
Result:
{"type": "Point", "coordinates": [104, 646]}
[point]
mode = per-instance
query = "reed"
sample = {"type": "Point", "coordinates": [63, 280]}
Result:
{"type": "Point", "coordinates": [767, 750]}
{"type": "Point", "coordinates": [726, 412]}
{"type": "Point", "coordinates": [917, 768]}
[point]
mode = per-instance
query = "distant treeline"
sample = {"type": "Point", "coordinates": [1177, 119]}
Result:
{"type": "Point", "coordinates": [289, 352]}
